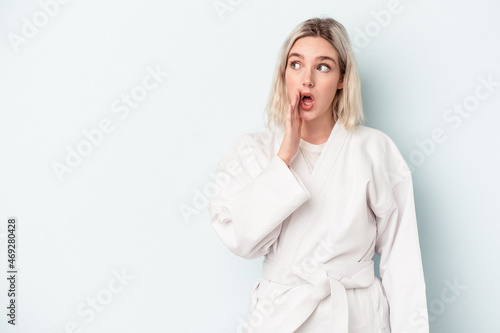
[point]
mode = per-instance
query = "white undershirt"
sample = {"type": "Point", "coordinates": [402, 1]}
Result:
{"type": "Point", "coordinates": [311, 153]}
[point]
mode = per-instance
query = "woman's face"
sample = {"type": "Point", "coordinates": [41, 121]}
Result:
{"type": "Point", "coordinates": [313, 70]}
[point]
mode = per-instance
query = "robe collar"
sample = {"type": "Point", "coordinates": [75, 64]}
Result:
{"type": "Point", "coordinates": [326, 161]}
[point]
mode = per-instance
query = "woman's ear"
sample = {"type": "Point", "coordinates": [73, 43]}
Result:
{"type": "Point", "coordinates": [341, 82]}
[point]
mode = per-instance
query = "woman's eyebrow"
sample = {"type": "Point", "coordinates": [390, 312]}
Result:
{"type": "Point", "coordinates": [317, 58]}
{"type": "Point", "coordinates": [326, 58]}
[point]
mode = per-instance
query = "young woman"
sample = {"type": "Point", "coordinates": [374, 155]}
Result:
{"type": "Point", "coordinates": [317, 194]}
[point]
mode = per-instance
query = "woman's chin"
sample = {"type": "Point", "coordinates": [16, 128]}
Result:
{"type": "Point", "coordinates": [306, 115]}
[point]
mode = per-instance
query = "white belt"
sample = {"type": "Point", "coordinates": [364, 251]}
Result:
{"type": "Point", "coordinates": [332, 278]}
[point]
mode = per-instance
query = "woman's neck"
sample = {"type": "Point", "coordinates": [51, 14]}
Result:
{"type": "Point", "coordinates": [316, 133]}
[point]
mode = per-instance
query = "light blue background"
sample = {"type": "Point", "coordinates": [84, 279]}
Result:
{"type": "Point", "coordinates": [120, 208]}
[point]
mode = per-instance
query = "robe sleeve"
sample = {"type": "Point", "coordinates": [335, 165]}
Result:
{"type": "Point", "coordinates": [401, 268]}
{"type": "Point", "coordinates": [253, 198]}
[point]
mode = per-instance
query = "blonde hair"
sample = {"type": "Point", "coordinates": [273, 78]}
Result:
{"type": "Point", "coordinates": [347, 106]}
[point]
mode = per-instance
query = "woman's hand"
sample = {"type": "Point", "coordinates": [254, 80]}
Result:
{"type": "Point", "coordinates": [291, 140]}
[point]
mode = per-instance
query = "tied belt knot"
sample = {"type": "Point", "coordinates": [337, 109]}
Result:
{"type": "Point", "coordinates": [326, 279]}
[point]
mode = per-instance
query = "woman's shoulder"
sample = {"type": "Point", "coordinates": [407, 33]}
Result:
{"type": "Point", "coordinates": [263, 141]}
{"type": "Point", "coordinates": [381, 147]}
{"type": "Point", "coordinates": [266, 135]}
{"type": "Point", "coordinates": [258, 146]}
{"type": "Point", "coordinates": [373, 138]}
{"type": "Point", "coordinates": [371, 134]}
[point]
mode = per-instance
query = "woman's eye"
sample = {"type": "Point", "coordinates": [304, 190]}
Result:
{"type": "Point", "coordinates": [324, 68]}
{"type": "Point", "coordinates": [294, 65]}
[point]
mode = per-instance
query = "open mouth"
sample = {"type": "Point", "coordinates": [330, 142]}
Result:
{"type": "Point", "coordinates": [307, 101]}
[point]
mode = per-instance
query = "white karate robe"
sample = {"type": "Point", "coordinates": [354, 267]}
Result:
{"type": "Point", "coordinates": [319, 231]}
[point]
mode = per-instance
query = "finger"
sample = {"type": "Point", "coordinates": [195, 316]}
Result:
{"type": "Point", "coordinates": [292, 108]}
{"type": "Point", "coordinates": [297, 101]}
{"type": "Point", "coordinates": [294, 104]}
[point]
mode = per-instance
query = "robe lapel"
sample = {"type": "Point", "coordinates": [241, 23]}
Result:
{"type": "Point", "coordinates": [315, 182]}
{"type": "Point", "coordinates": [326, 161]}
{"type": "Point", "coordinates": [328, 157]}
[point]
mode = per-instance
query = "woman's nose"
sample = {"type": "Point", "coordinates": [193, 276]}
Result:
{"type": "Point", "coordinates": [307, 80]}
